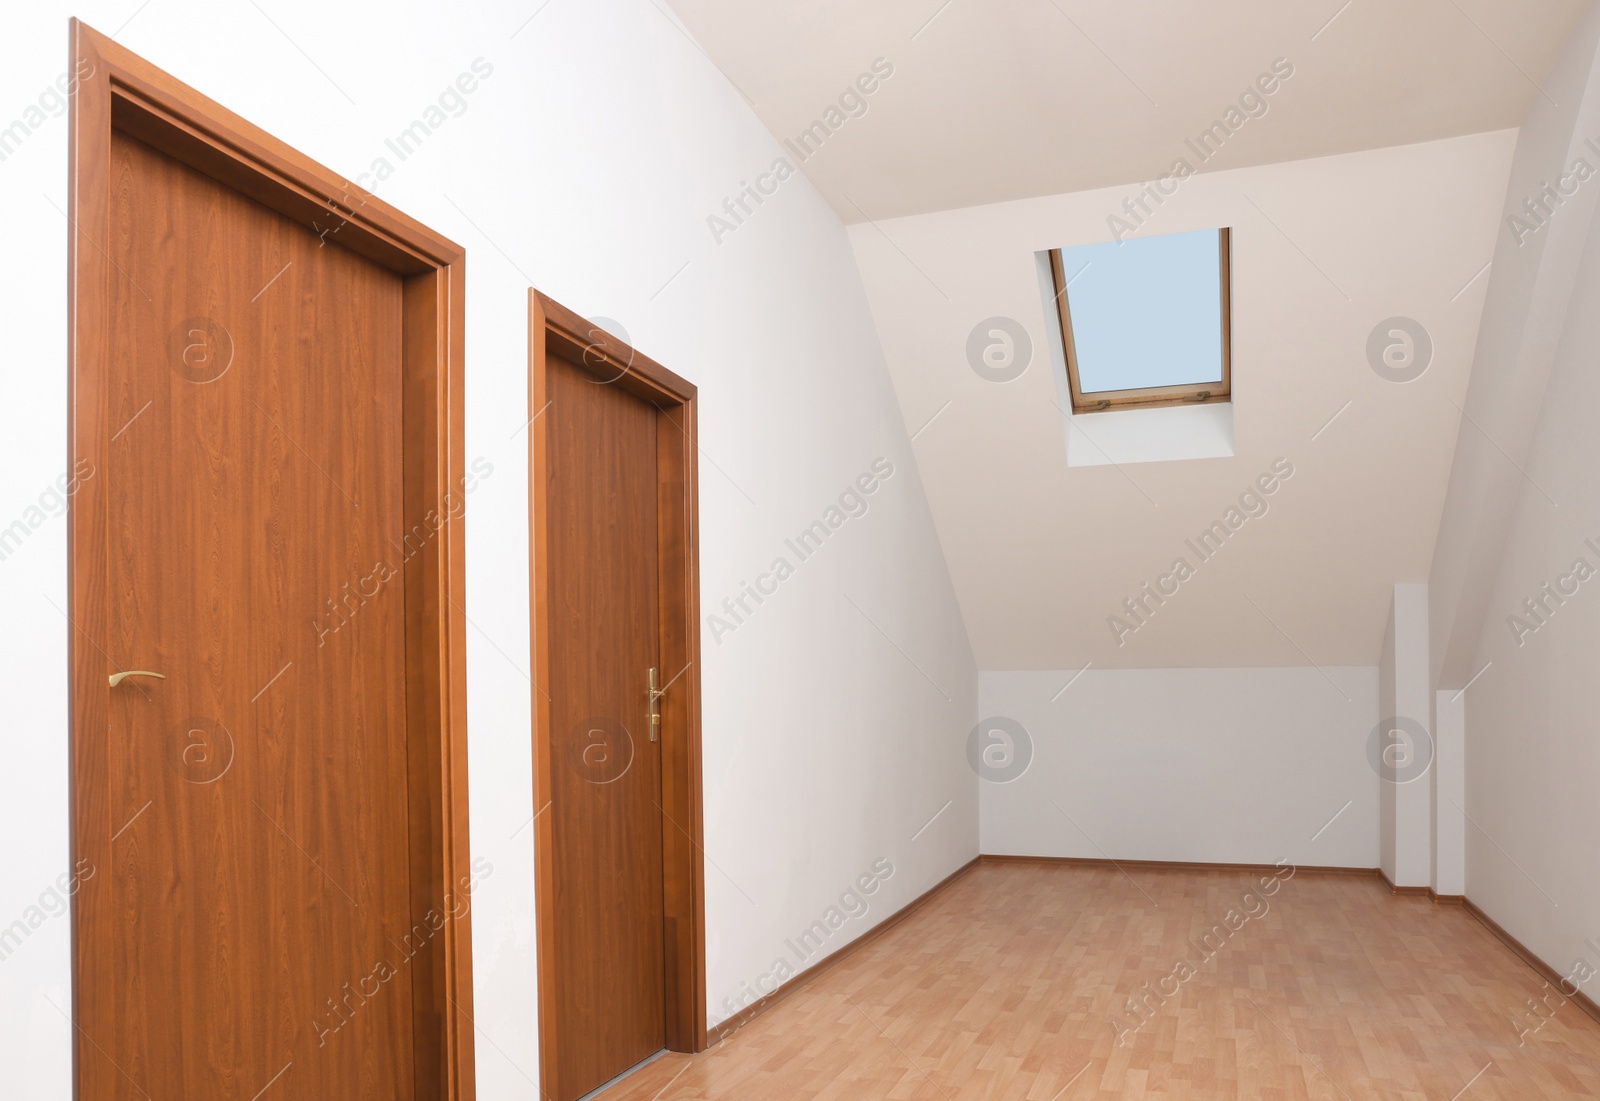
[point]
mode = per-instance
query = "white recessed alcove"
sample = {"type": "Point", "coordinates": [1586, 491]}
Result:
{"type": "Point", "coordinates": [1149, 435]}
{"type": "Point", "coordinates": [1124, 436]}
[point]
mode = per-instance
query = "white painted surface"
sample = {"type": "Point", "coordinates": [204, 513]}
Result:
{"type": "Point", "coordinates": [1216, 765]}
{"type": "Point", "coordinates": [1165, 435]}
{"type": "Point", "coordinates": [1323, 252]}
{"type": "Point", "coordinates": [1411, 750]}
{"type": "Point", "coordinates": [587, 163]}
{"type": "Point", "coordinates": [1449, 794]}
{"type": "Point", "coordinates": [993, 101]}
{"type": "Point", "coordinates": [1531, 697]}
{"type": "Point", "coordinates": [1530, 291]}
{"type": "Point", "coordinates": [1386, 708]}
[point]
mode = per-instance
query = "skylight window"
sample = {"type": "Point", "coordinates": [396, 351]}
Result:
{"type": "Point", "coordinates": [1145, 322]}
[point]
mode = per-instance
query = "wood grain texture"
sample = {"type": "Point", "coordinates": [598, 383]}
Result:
{"type": "Point", "coordinates": [605, 788]}
{"type": "Point", "coordinates": [260, 473]}
{"type": "Point", "coordinates": [731, 1025]}
{"type": "Point", "coordinates": [224, 515]}
{"type": "Point", "coordinates": [683, 870]}
{"type": "Point", "coordinates": [1005, 986]}
{"type": "Point", "coordinates": [593, 402]}
{"type": "Point", "coordinates": [1562, 983]}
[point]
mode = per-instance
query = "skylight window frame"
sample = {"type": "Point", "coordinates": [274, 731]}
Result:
{"type": "Point", "coordinates": [1150, 397]}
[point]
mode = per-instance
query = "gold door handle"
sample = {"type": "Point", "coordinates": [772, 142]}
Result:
{"type": "Point", "coordinates": [117, 678]}
{"type": "Point", "coordinates": [656, 692]}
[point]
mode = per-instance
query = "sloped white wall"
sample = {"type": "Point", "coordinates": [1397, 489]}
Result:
{"type": "Point", "coordinates": [1515, 617]}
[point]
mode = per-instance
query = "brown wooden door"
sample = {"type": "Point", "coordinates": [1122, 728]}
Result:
{"type": "Point", "coordinates": [605, 776]}
{"type": "Point", "coordinates": [258, 876]}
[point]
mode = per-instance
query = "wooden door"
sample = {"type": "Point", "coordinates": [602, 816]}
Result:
{"type": "Point", "coordinates": [280, 902]}
{"type": "Point", "coordinates": [617, 836]}
{"type": "Point", "coordinates": [606, 781]}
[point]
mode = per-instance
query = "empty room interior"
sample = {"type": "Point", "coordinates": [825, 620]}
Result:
{"type": "Point", "coordinates": [686, 550]}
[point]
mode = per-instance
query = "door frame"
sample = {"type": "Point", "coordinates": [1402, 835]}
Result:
{"type": "Point", "coordinates": [119, 91]}
{"type": "Point", "coordinates": [554, 328]}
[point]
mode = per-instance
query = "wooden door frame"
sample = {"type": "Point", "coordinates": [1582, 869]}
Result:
{"type": "Point", "coordinates": [119, 91]}
{"type": "Point", "coordinates": [554, 328]}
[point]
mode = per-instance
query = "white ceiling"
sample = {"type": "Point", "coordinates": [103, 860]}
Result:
{"type": "Point", "coordinates": [1041, 553]}
{"type": "Point", "coordinates": [992, 101]}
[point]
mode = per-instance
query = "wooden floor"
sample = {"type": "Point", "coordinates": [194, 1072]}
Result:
{"type": "Point", "coordinates": [1004, 986]}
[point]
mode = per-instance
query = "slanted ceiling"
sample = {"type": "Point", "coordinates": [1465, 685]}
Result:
{"type": "Point", "coordinates": [1360, 153]}
{"type": "Point", "coordinates": [989, 101]}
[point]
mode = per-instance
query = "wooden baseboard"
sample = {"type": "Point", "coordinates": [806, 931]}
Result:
{"type": "Point", "coordinates": [1420, 892]}
{"type": "Point", "coordinates": [728, 1027]}
{"type": "Point", "coordinates": [1171, 865]}
{"type": "Point", "coordinates": [1544, 970]}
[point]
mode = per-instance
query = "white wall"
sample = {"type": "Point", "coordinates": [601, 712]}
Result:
{"type": "Point", "coordinates": [1407, 748]}
{"type": "Point", "coordinates": [586, 164]}
{"type": "Point", "coordinates": [1523, 499]}
{"type": "Point", "coordinates": [1533, 758]}
{"type": "Point", "coordinates": [1386, 708]}
{"type": "Point", "coordinates": [1525, 308]}
{"type": "Point", "coordinates": [1449, 781]}
{"type": "Point", "coordinates": [1419, 753]}
{"type": "Point", "coordinates": [1211, 765]}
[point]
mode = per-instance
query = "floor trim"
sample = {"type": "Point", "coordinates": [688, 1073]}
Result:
{"type": "Point", "coordinates": [1422, 892]}
{"type": "Point", "coordinates": [1172, 865]}
{"type": "Point", "coordinates": [720, 1032]}
{"type": "Point", "coordinates": [629, 1073]}
{"type": "Point", "coordinates": [1544, 970]}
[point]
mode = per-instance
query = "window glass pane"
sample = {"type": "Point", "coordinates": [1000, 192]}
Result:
{"type": "Point", "coordinates": [1147, 311]}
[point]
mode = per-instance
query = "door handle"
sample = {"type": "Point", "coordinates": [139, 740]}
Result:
{"type": "Point", "coordinates": [656, 692]}
{"type": "Point", "coordinates": [117, 678]}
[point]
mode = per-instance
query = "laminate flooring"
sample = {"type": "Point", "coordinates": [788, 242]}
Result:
{"type": "Point", "coordinates": [1041, 982]}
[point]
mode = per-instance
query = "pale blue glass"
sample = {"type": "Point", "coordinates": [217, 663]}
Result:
{"type": "Point", "coordinates": [1146, 311]}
